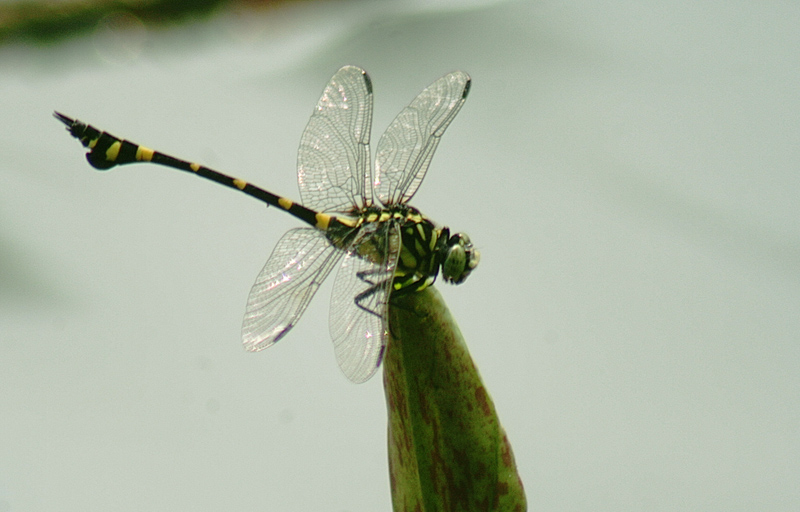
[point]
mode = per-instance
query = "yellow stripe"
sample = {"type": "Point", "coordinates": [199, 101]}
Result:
{"type": "Point", "coordinates": [323, 221]}
{"type": "Point", "coordinates": [240, 184]}
{"type": "Point", "coordinates": [287, 203]}
{"type": "Point", "coordinates": [93, 143]}
{"type": "Point", "coordinates": [194, 167]}
{"type": "Point", "coordinates": [353, 223]}
{"type": "Point", "coordinates": [144, 154]}
{"type": "Point", "coordinates": [113, 151]}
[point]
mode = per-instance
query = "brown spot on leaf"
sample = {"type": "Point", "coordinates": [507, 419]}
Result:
{"type": "Point", "coordinates": [483, 400]}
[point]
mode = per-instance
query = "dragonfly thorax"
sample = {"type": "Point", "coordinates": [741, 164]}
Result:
{"type": "Point", "coordinates": [423, 251]}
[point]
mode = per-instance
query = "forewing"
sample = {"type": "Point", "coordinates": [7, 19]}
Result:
{"type": "Point", "coordinates": [361, 291]}
{"type": "Point", "coordinates": [406, 149]}
{"type": "Point", "coordinates": [333, 162]}
{"type": "Point", "coordinates": [301, 260]}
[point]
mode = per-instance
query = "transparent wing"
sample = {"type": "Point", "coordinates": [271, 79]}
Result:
{"type": "Point", "coordinates": [358, 317]}
{"type": "Point", "coordinates": [406, 149]}
{"type": "Point", "coordinates": [333, 162]}
{"type": "Point", "coordinates": [301, 260]}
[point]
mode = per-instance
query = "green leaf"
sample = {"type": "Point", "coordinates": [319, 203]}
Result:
{"type": "Point", "coordinates": [447, 450]}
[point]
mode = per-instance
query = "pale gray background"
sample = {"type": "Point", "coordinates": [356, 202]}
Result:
{"type": "Point", "coordinates": [629, 171]}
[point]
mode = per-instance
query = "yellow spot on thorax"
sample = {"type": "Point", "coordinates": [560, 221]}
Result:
{"type": "Point", "coordinates": [287, 203]}
{"type": "Point", "coordinates": [113, 151]}
{"type": "Point", "coordinates": [144, 154]}
{"type": "Point", "coordinates": [240, 184]}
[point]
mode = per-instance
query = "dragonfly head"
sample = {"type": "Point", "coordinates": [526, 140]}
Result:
{"type": "Point", "coordinates": [459, 258]}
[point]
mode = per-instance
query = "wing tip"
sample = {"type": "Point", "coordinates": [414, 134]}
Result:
{"type": "Point", "coordinates": [256, 343]}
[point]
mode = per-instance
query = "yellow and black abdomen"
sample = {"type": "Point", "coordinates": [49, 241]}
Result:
{"type": "Point", "coordinates": [107, 151]}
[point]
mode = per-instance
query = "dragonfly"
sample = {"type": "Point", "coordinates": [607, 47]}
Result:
{"type": "Point", "coordinates": [358, 216]}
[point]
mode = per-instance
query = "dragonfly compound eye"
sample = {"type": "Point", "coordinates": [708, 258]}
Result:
{"type": "Point", "coordinates": [460, 260]}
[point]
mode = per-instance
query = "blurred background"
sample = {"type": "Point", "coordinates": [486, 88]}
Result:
{"type": "Point", "coordinates": [629, 171]}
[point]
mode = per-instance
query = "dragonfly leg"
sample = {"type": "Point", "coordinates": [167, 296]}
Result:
{"type": "Point", "coordinates": [366, 294]}
{"type": "Point", "coordinates": [410, 285]}
{"type": "Point", "coordinates": [374, 287]}
{"type": "Point", "coordinates": [365, 276]}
